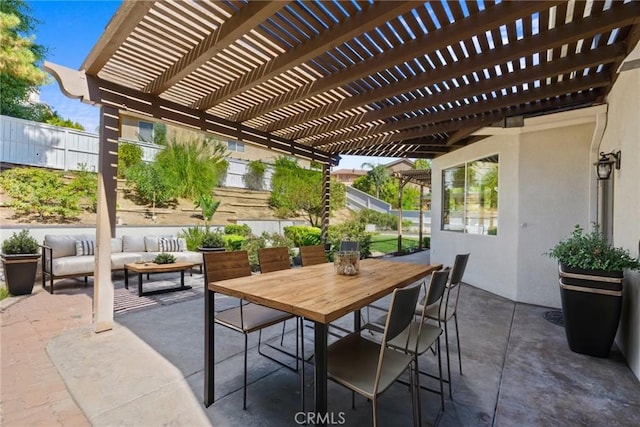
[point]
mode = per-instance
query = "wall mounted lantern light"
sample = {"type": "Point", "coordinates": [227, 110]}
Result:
{"type": "Point", "coordinates": [605, 164]}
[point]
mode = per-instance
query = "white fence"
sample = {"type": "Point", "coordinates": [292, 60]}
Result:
{"type": "Point", "coordinates": [38, 144]}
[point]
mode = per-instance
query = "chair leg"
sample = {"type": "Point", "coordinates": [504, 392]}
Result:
{"type": "Point", "coordinates": [417, 387]}
{"type": "Point", "coordinates": [374, 404]}
{"type": "Point", "coordinates": [244, 397]}
{"type": "Point", "coordinates": [455, 318]}
{"type": "Point", "coordinates": [440, 376]}
{"type": "Point", "coordinates": [446, 343]}
{"type": "Point", "coordinates": [282, 336]}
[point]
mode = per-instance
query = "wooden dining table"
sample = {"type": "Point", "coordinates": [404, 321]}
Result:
{"type": "Point", "coordinates": [316, 293]}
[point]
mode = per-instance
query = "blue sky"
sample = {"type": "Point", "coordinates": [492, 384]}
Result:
{"type": "Point", "coordinates": [70, 29]}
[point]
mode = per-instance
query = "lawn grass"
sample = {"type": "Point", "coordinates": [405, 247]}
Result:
{"type": "Point", "coordinates": [4, 293]}
{"type": "Point", "coordinates": [389, 244]}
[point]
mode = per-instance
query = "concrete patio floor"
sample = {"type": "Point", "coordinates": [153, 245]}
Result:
{"type": "Point", "coordinates": [148, 371]}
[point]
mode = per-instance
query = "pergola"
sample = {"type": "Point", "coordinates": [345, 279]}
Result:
{"type": "Point", "coordinates": [318, 79]}
{"type": "Point", "coordinates": [421, 177]}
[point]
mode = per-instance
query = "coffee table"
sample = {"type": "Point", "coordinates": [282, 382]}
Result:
{"type": "Point", "coordinates": [150, 267]}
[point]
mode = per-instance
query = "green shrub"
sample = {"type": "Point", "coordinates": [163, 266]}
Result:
{"type": "Point", "coordinates": [85, 184]}
{"type": "Point", "coordinates": [492, 231]}
{"type": "Point", "coordinates": [213, 239]}
{"type": "Point", "coordinates": [383, 221]}
{"type": "Point", "coordinates": [426, 242]}
{"type": "Point", "coordinates": [128, 155]}
{"type": "Point", "coordinates": [239, 229]}
{"type": "Point", "coordinates": [152, 184]}
{"type": "Point", "coordinates": [233, 242]}
{"type": "Point", "coordinates": [350, 230]}
{"type": "Point", "coordinates": [41, 192]}
{"type": "Point", "coordinates": [254, 178]}
{"type": "Point", "coordinates": [303, 235]}
{"type": "Point", "coordinates": [193, 236]}
{"type": "Point", "coordinates": [20, 243]}
{"type": "Point", "coordinates": [251, 244]}
{"type": "Point", "coordinates": [191, 166]}
{"type": "Point", "coordinates": [278, 240]}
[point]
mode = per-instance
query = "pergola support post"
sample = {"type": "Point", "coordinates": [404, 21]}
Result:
{"type": "Point", "coordinates": [326, 181]}
{"type": "Point", "coordinates": [421, 217]}
{"type": "Point", "coordinates": [103, 290]}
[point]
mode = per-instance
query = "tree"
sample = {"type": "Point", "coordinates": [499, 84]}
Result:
{"type": "Point", "coordinates": [20, 74]}
{"type": "Point", "coordinates": [422, 164]}
{"type": "Point", "coordinates": [298, 191]}
{"type": "Point", "coordinates": [378, 174]}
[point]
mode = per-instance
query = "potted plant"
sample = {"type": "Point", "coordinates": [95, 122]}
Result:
{"type": "Point", "coordinates": [20, 255]}
{"type": "Point", "coordinates": [212, 241]}
{"type": "Point", "coordinates": [591, 275]}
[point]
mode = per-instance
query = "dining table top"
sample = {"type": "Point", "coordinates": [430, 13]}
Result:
{"type": "Point", "coordinates": [318, 293]}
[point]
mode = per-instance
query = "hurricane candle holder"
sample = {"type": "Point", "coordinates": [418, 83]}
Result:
{"type": "Point", "coordinates": [347, 263]}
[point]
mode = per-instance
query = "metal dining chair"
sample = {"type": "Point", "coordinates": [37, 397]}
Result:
{"type": "Point", "coordinates": [422, 336]}
{"type": "Point", "coordinates": [369, 368]}
{"type": "Point", "coordinates": [449, 309]}
{"type": "Point", "coordinates": [247, 317]}
{"type": "Point", "coordinates": [276, 259]}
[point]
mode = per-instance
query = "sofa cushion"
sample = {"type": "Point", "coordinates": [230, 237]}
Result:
{"type": "Point", "coordinates": [116, 244]}
{"type": "Point", "coordinates": [85, 247]}
{"type": "Point", "coordinates": [188, 256]}
{"type": "Point", "coordinates": [70, 265]}
{"type": "Point", "coordinates": [172, 245]}
{"type": "Point", "coordinates": [64, 245]}
{"type": "Point", "coordinates": [152, 243]}
{"type": "Point", "coordinates": [119, 259]}
{"type": "Point", "coordinates": [133, 244]}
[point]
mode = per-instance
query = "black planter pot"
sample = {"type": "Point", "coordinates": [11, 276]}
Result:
{"type": "Point", "coordinates": [20, 272]}
{"type": "Point", "coordinates": [591, 306]}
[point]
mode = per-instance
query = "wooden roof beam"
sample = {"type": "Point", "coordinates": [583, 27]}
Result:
{"type": "Point", "coordinates": [577, 30]}
{"type": "Point", "coordinates": [368, 18]}
{"type": "Point", "coordinates": [565, 65]}
{"type": "Point", "coordinates": [490, 18]}
{"type": "Point", "coordinates": [125, 20]}
{"type": "Point", "coordinates": [461, 123]}
{"type": "Point", "coordinates": [556, 89]}
{"type": "Point", "coordinates": [239, 24]}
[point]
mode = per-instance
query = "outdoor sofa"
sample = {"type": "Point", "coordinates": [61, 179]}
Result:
{"type": "Point", "coordinates": [74, 255]}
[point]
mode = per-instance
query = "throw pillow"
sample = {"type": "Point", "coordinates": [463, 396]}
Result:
{"type": "Point", "coordinates": [85, 247]}
{"type": "Point", "coordinates": [169, 245]}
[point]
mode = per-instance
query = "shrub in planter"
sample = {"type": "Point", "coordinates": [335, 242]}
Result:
{"type": "Point", "coordinates": [239, 229]}
{"type": "Point", "coordinates": [591, 274]}
{"type": "Point", "coordinates": [212, 240]}
{"type": "Point", "coordinates": [164, 258]}
{"type": "Point", "coordinates": [20, 254]}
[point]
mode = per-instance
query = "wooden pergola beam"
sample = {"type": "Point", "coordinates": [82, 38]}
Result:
{"type": "Point", "coordinates": [559, 36]}
{"type": "Point", "coordinates": [371, 16]}
{"type": "Point", "coordinates": [490, 18]}
{"type": "Point", "coordinates": [119, 28]}
{"type": "Point", "coordinates": [486, 119]}
{"type": "Point", "coordinates": [565, 65]}
{"type": "Point", "coordinates": [241, 23]}
{"type": "Point", "coordinates": [561, 88]}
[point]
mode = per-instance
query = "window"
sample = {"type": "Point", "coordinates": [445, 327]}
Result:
{"type": "Point", "coordinates": [145, 131]}
{"type": "Point", "coordinates": [236, 146]}
{"type": "Point", "coordinates": [470, 197]}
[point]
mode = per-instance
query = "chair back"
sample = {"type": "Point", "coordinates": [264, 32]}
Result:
{"type": "Point", "coordinates": [435, 292]}
{"type": "Point", "coordinates": [312, 255]}
{"type": "Point", "coordinates": [274, 259]}
{"type": "Point", "coordinates": [349, 245]}
{"type": "Point", "coordinates": [401, 312]}
{"type": "Point", "coordinates": [459, 265]}
{"type": "Point", "coordinates": [225, 265]}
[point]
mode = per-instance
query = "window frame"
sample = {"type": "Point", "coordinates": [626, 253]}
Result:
{"type": "Point", "coordinates": [466, 226]}
{"type": "Point", "coordinates": [140, 133]}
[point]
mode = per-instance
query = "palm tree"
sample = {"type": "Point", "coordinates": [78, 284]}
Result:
{"type": "Point", "coordinates": [378, 174]}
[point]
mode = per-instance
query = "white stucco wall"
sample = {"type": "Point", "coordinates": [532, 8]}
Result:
{"type": "Point", "coordinates": [554, 174]}
{"type": "Point", "coordinates": [623, 133]}
{"type": "Point", "coordinates": [493, 261]}
{"type": "Point", "coordinates": [545, 183]}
